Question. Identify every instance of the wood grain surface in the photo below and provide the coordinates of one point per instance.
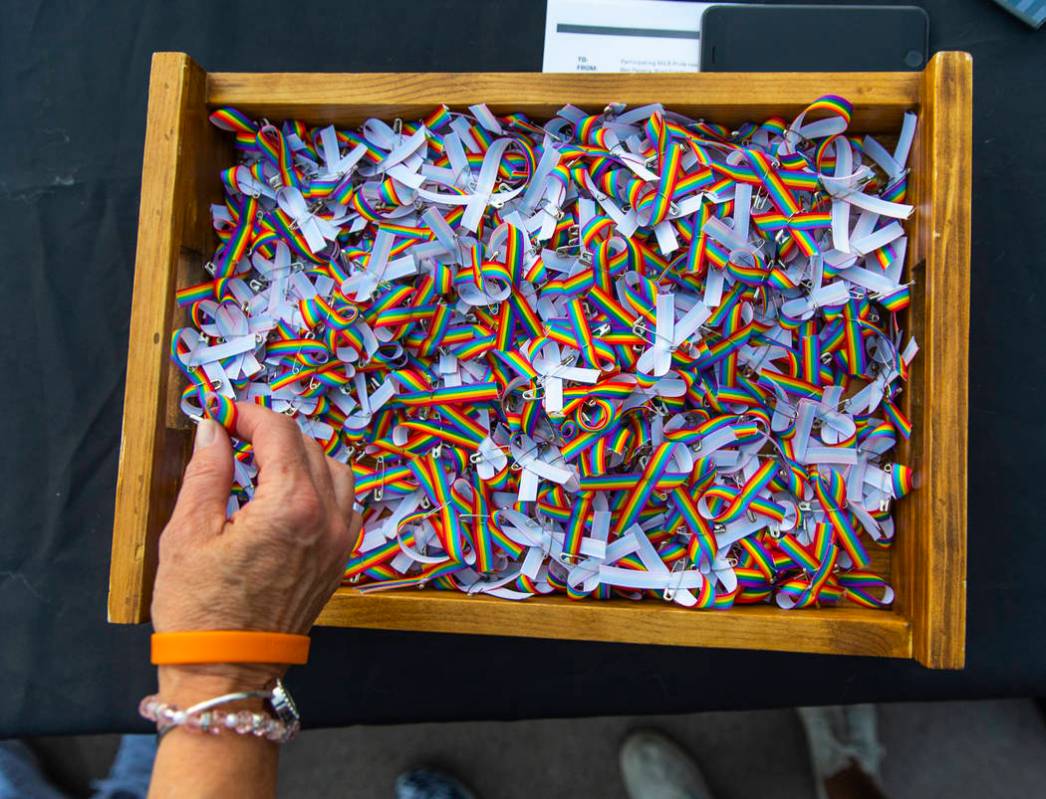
(179, 176)
(840, 630)
(930, 562)
(880, 98)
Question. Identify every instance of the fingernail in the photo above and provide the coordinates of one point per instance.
(205, 433)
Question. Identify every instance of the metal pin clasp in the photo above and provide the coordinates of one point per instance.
(639, 327)
(379, 489)
(678, 568)
(545, 205)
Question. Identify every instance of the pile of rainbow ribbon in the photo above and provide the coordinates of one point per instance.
(617, 354)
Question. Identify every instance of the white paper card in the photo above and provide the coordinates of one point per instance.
(623, 36)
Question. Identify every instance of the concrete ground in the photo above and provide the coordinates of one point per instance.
(955, 749)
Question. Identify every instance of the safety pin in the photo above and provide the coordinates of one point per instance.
(799, 138)
(379, 489)
(679, 569)
(639, 327)
(568, 250)
(557, 214)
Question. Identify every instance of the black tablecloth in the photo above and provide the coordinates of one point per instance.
(73, 79)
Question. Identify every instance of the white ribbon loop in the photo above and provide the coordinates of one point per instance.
(316, 230)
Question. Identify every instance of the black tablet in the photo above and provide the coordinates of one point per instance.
(836, 38)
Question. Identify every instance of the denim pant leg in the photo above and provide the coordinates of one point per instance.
(131, 770)
(20, 774)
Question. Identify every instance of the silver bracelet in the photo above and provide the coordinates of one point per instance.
(281, 727)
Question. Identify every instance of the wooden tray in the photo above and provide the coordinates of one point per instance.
(927, 566)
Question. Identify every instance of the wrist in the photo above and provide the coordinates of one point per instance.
(185, 685)
(206, 700)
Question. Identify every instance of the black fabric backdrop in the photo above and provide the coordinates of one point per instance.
(73, 79)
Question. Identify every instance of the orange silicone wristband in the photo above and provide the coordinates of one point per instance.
(229, 646)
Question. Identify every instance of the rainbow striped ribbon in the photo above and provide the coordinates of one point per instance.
(424, 381)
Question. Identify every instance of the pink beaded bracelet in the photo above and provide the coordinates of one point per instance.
(202, 717)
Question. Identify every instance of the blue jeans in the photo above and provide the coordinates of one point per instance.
(21, 778)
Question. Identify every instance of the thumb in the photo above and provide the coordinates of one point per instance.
(207, 482)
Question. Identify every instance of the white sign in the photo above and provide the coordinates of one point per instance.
(623, 36)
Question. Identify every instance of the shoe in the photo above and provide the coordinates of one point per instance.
(426, 783)
(655, 767)
(842, 739)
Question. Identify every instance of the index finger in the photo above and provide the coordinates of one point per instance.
(278, 445)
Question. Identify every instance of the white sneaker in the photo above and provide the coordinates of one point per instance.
(655, 767)
(840, 737)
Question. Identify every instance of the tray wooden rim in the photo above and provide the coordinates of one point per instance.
(929, 624)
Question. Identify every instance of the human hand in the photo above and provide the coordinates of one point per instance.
(274, 564)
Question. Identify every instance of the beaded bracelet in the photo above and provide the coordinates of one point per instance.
(202, 718)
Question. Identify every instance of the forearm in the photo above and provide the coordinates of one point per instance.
(195, 765)
(268, 568)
